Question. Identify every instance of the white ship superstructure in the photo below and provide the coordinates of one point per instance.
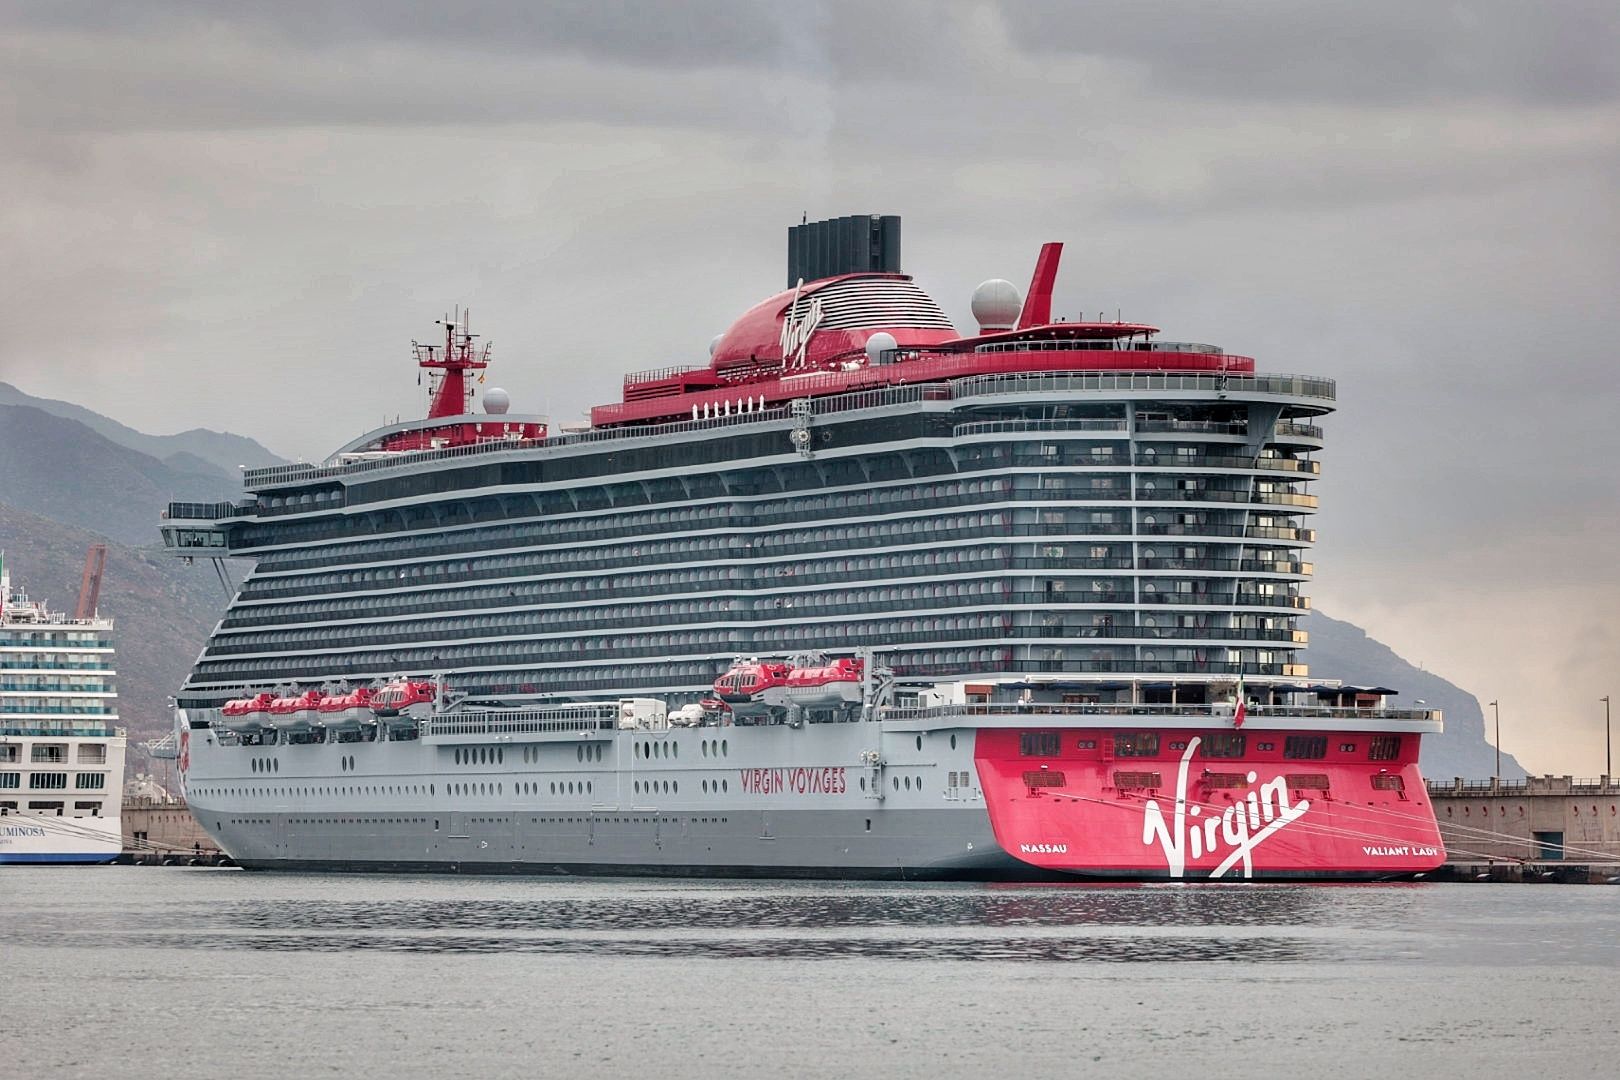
(61, 749)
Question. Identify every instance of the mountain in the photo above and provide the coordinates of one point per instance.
(162, 610)
(221, 450)
(65, 470)
(1341, 650)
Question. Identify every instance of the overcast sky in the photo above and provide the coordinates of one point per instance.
(238, 218)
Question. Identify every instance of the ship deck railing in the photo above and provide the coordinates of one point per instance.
(592, 716)
(1221, 712)
(849, 401)
(61, 732)
(1530, 785)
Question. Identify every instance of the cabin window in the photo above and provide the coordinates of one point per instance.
(1039, 743)
(1384, 748)
(1224, 744)
(1305, 747)
(1136, 744)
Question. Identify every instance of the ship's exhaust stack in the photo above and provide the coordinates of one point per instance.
(861, 243)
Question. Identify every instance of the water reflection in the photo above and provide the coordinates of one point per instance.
(1105, 949)
(767, 908)
(1119, 924)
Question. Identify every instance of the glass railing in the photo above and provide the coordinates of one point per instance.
(973, 386)
(8, 727)
(1220, 712)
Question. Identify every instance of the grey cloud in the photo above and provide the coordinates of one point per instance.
(241, 221)
(1384, 51)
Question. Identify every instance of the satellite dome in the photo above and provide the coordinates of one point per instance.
(714, 343)
(496, 401)
(996, 304)
(877, 345)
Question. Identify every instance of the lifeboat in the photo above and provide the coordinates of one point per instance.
(298, 711)
(259, 703)
(404, 698)
(247, 714)
(778, 690)
(347, 710)
(749, 678)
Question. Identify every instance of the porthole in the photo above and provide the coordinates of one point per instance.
(705, 787)
(677, 786)
(725, 748)
(725, 785)
(579, 753)
(704, 747)
(919, 742)
(863, 783)
(897, 783)
(953, 742)
(908, 783)
(588, 787)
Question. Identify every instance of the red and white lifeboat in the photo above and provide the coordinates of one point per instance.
(258, 704)
(347, 710)
(249, 713)
(749, 678)
(298, 711)
(404, 697)
(773, 688)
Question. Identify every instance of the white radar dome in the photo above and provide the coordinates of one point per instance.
(996, 304)
(877, 345)
(496, 401)
(714, 343)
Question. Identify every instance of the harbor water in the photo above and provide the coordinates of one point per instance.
(131, 971)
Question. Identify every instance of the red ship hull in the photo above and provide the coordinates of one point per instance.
(1084, 809)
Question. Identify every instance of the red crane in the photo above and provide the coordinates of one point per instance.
(95, 561)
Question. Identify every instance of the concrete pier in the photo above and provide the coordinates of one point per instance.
(1544, 828)
(162, 832)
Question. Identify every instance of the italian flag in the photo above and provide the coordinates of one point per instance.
(1240, 713)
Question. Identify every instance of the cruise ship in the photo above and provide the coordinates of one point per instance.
(61, 749)
(858, 595)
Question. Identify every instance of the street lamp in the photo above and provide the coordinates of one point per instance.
(1496, 709)
(1608, 741)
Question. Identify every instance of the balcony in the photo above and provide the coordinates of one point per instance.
(1270, 498)
(1224, 461)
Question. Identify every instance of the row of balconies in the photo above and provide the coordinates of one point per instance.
(375, 607)
(425, 632)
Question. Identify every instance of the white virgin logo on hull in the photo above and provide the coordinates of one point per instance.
(1241, 827)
